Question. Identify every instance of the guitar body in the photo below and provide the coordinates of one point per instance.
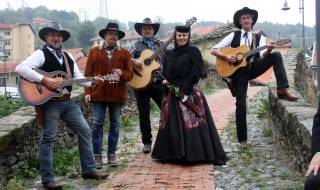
(34, 93)
(226, 69)
(141, 82)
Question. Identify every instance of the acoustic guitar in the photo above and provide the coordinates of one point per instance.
(35, 94)
(142, 78)
(241, 53)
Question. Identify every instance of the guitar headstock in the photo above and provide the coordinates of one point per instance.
(111, 78)
(282, 41)
(191, 21)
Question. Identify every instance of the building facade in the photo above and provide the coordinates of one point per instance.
(17, 42)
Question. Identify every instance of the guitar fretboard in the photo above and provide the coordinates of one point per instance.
(254, 51)
(157, 53)
(77, 81)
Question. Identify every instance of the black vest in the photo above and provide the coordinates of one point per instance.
(51, 63)
(236, 43)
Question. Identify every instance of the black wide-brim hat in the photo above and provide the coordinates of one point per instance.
(146, 21)
(244, 10)
(112, 26)
(54, 27)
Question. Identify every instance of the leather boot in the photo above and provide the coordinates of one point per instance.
(94, 175)
(52, 185)
(98, 159)
(285, 94)
(112, 160)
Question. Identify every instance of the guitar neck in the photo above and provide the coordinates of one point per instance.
(158, 51)
(77, 81)
(254, 51)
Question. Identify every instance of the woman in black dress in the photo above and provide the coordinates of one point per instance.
(187, 132)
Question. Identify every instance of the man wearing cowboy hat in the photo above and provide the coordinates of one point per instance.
(147, 29)
(52, 58)
(106, 59)
(244, 19)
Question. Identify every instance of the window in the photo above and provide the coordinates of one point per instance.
(7, 33)
(7, 53)
(7, 43)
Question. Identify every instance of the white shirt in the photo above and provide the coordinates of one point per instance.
(36, 60)
(226, 42)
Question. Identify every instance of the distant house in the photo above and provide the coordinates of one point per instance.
(129, 39)
(8, 70)
(80, 57)
(18, 40)
(202, 30)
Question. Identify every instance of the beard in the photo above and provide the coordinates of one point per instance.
(55, 45)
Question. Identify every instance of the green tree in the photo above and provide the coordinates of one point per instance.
(86, 31)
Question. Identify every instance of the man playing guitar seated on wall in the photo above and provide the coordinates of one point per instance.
(244, 19)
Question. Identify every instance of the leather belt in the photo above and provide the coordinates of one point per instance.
(62, 98)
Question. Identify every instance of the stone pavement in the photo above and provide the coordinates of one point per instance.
(145, 173)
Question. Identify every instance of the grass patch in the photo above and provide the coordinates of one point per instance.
(14, 184)
(263, 109)
(9, 105)
(31, 169)
(284, 176)
(266, 131)
(67, 162)
(232, 128)
(154, 109)
(209, 89)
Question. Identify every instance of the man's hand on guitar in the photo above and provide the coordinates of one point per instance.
(137, 64)
(230, 58)
(98, 80)
(118, 71)
(270, 45)
(52, 83)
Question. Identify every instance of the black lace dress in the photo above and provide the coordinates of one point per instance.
(187, 132)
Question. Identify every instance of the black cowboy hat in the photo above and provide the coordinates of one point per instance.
(54, 27)
(146, 21)
(112, 26)
(244, 10)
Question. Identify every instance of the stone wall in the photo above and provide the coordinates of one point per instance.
(292, 121)
(304, 82)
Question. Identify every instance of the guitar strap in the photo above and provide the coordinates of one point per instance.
(67, 65)
(254, 41)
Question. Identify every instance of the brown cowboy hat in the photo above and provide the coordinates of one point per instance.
(146, 21)
(244, 10)
(112, 26)
(54, 27)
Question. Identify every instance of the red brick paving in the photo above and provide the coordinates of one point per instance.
(144, 173)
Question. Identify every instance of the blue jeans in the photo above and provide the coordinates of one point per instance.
(99, 112)
(71, 114)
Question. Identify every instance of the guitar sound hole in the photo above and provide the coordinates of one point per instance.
(147, 62)
(239, 58)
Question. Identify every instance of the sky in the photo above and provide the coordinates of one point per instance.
(177, 10)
